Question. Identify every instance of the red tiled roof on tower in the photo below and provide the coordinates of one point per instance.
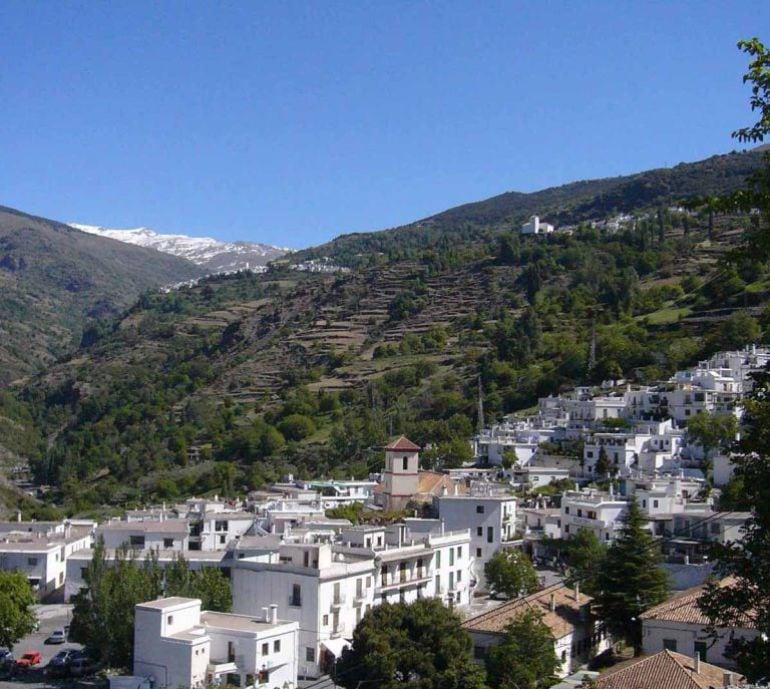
(402, 444)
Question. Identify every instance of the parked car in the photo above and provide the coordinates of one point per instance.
(28, 660)
(6, 657)
(60, 664)
(58, 636)
(81, 665)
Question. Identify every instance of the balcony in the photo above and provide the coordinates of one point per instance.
(406, 581)
(339, 600)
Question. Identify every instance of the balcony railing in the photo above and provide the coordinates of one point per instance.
(339, 600)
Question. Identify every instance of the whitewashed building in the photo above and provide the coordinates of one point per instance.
(178, 646)
(41, 551)
(536, 226)
(679, 625)
(145, 535)
(594, 510)
(490, 518)
(325, 592)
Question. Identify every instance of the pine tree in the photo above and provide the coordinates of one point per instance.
(630, 580)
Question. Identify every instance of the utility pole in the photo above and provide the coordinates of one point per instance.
(480, 412)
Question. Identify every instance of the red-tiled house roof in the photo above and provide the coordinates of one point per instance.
(402, 444)
(668, 670)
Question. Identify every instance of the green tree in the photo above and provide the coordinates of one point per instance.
(584, 556)
(630, 580)
(454, 453)
(748, 593)
(712, 431)
(603, 466)
(510, 573)
(526, 658)
(417, 646)
(17, 618)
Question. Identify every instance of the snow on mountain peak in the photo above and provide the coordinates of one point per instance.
(212, 254)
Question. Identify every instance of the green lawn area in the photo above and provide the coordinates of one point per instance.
(667, 315)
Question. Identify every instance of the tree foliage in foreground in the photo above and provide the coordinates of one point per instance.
(17, 618)
(510, 573)
(526, 658)
(103, 614)
(748, 595)
(417, 646)
(630, 580)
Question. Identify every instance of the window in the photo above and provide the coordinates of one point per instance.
(170, 619)
(325, 620)
(136, 541)
(451, 580)
(368, 582)
(32, 562)
(438, 558)
(480, 531)
(310, 654)
(168, 542)
(265, 649)
(451, 556)
(263, 676)
(438, 583)
(459, 575)
(459, 551)
(379, 540)
(490, 534)
(580, 512)
(220, 525)
(566, 510)
(654, 503)
(276, 646)
(479, 509)
(669, 644)
(715, 527)
(384, 574)
(222, 539)
(700, 649)
(406, 463)
(566, 528)
(478, 552)
(296, 595)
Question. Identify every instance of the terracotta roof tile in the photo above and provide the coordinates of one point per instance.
(561, 622)
(666, 669)
(684, 608)
(402, 443)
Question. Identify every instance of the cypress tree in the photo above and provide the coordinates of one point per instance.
(630, 580)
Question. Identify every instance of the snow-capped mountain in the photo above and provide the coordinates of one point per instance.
(211, 254)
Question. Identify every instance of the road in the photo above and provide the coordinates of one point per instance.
(51, 617)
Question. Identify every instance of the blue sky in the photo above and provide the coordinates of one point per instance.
(293, 122)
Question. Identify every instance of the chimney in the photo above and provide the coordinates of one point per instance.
(697, 663)
(553, 602)
(729, 679)
(577, 592)
(265, 615)
(273, 613)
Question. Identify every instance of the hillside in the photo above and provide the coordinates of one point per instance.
(568, 204)
(54, 279)
(230, 383)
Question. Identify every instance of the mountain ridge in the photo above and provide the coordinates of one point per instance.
(213, 255)
(54, 279)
